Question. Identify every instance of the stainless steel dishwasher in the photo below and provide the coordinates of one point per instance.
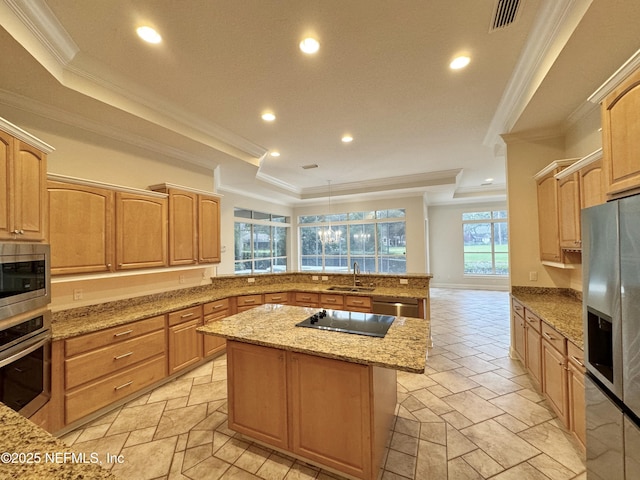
(396, 306)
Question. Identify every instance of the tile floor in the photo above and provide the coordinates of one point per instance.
(472, 415)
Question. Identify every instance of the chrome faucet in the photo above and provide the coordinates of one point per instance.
(356, 271)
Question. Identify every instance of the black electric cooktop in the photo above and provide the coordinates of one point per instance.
(370, 324)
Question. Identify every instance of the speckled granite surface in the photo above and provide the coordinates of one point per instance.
(404, 347)
(20, 436)
(78, 321)
(561, 308)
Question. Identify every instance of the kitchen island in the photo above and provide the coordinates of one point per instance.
(326, 397)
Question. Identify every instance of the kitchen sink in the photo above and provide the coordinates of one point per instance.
(340, 288)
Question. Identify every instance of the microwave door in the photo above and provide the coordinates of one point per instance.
(630, 278)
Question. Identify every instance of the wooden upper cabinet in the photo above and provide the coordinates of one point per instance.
(141, 230)
(81, 228)
(209, 229)
(569, 211)
(621, 137)
(592, 189)
(23, 191)
(183, 211)
(548, 219)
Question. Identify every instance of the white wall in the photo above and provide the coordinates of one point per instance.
(446, 248)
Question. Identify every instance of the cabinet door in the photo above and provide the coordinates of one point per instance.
(209, 229)
(30, 192)
(519, 337)
(6, 195)
(185, 345)
(81, 231)
(554, 379)
(141, 231)
(210, 343)
(569, 211)
(621, 136)
(534, 359)
(576, 398)
(257, 378)
(183, 211)
(330, 412)
(592, 189)
(548, 219)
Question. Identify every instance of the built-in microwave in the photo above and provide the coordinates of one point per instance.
(25, 282)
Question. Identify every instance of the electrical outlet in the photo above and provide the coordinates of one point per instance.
(251, 280)
(404, 281)
(77, 294)
(314, 278)
(533, 276)
(181, 279)
(325, 278)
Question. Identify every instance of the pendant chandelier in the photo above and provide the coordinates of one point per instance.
(328, 234)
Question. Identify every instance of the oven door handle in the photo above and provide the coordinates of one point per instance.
(24, 348)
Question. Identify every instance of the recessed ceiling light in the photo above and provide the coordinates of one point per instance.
(459, 62)
(148, 34)
(268, 116)
(309, 45)
(489, 180)
(275, 153)
(347, 139)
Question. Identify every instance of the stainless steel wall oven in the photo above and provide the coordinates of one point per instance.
(25, 361)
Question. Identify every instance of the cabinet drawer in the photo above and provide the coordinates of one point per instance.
(215, 307)
(91, 341)
(249, 300)
(331, 300)
(104, 392)
(104, 361)
(576, 356)
(518, 308)
(533, 320)
(554, 338)
(357, 302)
(303, 297)
(281, 298)
(185, 315)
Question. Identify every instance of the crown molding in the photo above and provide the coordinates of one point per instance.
(554, 25)
(583, 162)
(555, 165)
(614, 80)
(25, 136)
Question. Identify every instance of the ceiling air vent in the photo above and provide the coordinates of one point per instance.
(504, 14)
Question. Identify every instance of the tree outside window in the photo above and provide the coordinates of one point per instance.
(486, 243)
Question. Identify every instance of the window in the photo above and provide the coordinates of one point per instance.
(485, 243)
(260, 242)
(374, 239)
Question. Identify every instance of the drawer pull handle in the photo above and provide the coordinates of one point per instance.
(126, 332)
(187, 315)
(124, 385)
(249, 301)
(357, 302)
(216, 307)
(124, 355)
(331, 300)
(577, 360)
(548, 337)
(276, 298)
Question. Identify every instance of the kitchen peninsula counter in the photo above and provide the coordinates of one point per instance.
(404, 347)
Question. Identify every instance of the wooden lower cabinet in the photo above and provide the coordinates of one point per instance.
(519, 332)
(533, 347)
(281, 298)
(332, 300)
(333, 413)
(357, 303)
(303, 299)
(185, 343)
(214, 311)
(247, 302)
(554, 372)
(576, 393)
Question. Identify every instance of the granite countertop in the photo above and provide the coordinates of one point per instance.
(20, 436)
(79, 321)
(560, 308)
(404, 347)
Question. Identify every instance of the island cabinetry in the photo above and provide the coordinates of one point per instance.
(81, 228)
(23, 189)
(246, 302)
(330, 412)
(533, 348)
(576, 395)
(103, 367)
(303, 299)
(281, 298)
(357, 304)
(332, 300)
(554, 371)
(194, 225)
(621, 137)
(214, 311)
(141, 230)
(185, 345)
(518, 329)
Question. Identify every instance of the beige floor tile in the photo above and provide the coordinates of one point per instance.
(457, 420)
(453, 381)
(408, 427)
(440, 363)
(502, 445)
(524, 471)
(496, 383)
(401, 463)
(434, 433)
(556, 443)
(235, 473)
(414, 381)
(91, 433)
(458, 444)
(231, 450)
(511, 423)
(275, 467)
(137, 437)
(174, 389)
(147, 460)
(431, 461)
(437, 406)
(211, 422)
(526, 411)
(253, 458)
(104, 446)
(482, 463)
(195, 455)
(461, 470)
(199, 437)
(135, 418)
(551, 468)
(404, 443)
(174, 403)
(175, 422)
(411, 403)
(484, 393)
(476, 364)
(211, 468)
(426, 415)
(208, 392)
(472, 406)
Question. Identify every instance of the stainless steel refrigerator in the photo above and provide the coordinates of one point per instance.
(611, 312)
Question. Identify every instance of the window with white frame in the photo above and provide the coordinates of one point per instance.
(374, 239)
(260, 242)
(486, 243)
